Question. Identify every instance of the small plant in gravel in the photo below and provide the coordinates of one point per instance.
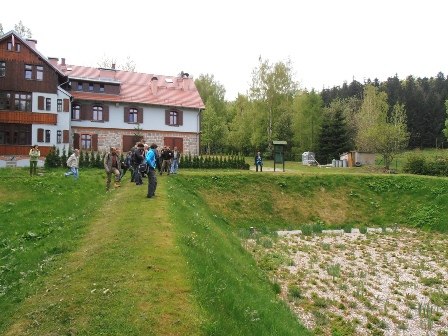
(294, 292)
(431, 281)
(334, 271)
(426, 311)
(439, 298)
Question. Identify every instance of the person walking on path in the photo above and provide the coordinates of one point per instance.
(73, 165)
(34, 157)
(151, 160)
(258, 161)
(112, 165)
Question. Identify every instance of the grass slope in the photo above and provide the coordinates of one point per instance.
(75, 260)
(126, 277)
(289, 200)
(237, 296)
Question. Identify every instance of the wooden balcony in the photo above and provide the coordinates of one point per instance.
(14, 117)
(18, 150)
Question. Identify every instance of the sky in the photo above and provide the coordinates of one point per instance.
(327, 41)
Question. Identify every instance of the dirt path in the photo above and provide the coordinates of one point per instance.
(127, 277)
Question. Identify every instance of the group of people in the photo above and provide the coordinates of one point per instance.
(142, 160)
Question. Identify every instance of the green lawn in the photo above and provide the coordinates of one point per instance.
(77, 260)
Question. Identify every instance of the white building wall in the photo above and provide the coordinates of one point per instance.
(63, 119)
(153, 119)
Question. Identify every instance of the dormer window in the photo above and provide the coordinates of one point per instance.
(101, 87)
(90, 87)
(79, 86)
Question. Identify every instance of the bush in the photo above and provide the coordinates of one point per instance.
(52, 160)
(214, 162)
(417, 164)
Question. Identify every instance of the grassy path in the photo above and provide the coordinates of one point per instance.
(127, 278)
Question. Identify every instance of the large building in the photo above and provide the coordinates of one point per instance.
(49, 102)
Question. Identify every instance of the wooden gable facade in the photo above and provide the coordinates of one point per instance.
(51, 103)
(30, 99)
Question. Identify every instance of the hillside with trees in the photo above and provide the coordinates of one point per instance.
(383, 117)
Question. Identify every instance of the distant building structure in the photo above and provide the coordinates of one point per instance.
(48, 102)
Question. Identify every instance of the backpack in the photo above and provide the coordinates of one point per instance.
(132, 159)
(127, 161)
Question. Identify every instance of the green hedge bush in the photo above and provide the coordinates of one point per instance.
(417, 164)
(213, 162)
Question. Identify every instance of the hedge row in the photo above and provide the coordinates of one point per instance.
(214, 162)
(417, 164)
(56, 159)
(95, 160)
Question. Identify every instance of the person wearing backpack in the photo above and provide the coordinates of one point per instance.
(138, 159)
(112, 165)
(126, 164)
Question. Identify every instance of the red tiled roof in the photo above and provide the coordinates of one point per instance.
(136, 87)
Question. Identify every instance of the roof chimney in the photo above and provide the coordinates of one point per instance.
(154, 81)
(53, 61)
(32, 43)
(113, 66)
(186, 80)
(63, 61)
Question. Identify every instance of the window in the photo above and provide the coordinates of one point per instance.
(18, 46)
(59, 136)
(76, 112)
(28, 71)
(15, 134)
(5, 101)
(22, 101)
(9, 46)
(133, 113)
(90, 87)
(2, 69)
(86, 141)
(173, 118)
(39, 72)
(101, 87)
(79, 86)
(97, 113)
(48, 104)
(47, 135)
(59, 105)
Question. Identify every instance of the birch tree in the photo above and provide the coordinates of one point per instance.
(379, 132)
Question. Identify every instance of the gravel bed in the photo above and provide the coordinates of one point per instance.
(390, 283)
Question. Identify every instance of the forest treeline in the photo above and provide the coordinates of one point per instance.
(328, 122)
(381, 117)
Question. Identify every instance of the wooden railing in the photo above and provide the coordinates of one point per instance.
(11, 117)
(14, 150)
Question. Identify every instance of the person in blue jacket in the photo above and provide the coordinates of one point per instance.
(151, 157)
